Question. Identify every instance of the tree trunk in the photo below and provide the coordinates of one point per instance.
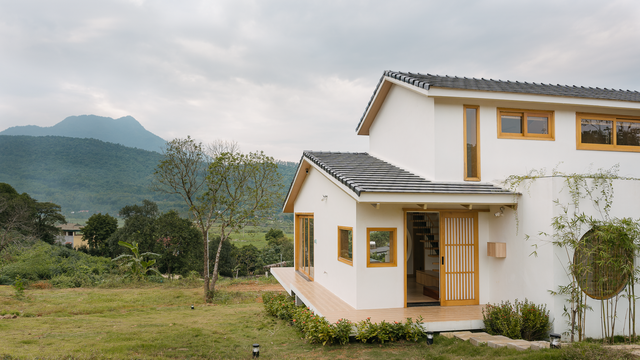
(207, 294)
(215, 266)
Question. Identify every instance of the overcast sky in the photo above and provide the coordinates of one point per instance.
(287, 76)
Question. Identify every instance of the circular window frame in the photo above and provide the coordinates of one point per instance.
(587, 242)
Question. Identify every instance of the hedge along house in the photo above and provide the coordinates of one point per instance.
(422, 220)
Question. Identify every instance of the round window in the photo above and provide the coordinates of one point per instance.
(598, 264)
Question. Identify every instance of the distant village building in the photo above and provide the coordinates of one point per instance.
(71, 234)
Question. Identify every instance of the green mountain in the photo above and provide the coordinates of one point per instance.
(88, 175)
(125, 131)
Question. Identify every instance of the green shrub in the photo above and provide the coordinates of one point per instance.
(522, 320)
(19, 285)
(535, 320)
(317, 329)
(43, 262)
(502, 319)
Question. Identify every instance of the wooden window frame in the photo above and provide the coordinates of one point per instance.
(340, 258)
(525, 135)
(464, 127)
(393, 243)
(606, 147)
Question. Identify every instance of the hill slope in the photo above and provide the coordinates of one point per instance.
(88, 174)
(79, 174)
(125, 131)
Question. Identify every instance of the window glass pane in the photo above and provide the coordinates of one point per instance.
(596, 131)
(379, 246)
(511, 124)
(311, 244)
(627, 133)
(537, 125)
(472, 142)
(346, 244)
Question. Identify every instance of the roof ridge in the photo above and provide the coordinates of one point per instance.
(426, 81)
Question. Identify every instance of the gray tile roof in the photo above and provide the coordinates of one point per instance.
(425, 81)
(362, 172)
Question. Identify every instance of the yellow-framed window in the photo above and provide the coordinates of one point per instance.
(345, 245)
(381, 247)
(607, 132)
(526, 124)
(471, 143)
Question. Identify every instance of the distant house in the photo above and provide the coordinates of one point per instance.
(422, 218)
(71, 234)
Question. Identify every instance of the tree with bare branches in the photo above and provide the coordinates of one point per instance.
(243, 188)
(219, 184)
(183, 171)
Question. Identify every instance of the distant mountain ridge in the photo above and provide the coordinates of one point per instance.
(125, 131)
(89, 174)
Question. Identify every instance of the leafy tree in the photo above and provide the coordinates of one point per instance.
(15, 216)
(46, 216)
(139, 226)
(178, 242)
(182, 172)
(21, 215)
(274, 236)
(96, 232)
(249, 260)
(242, 188)
(279, 247)
(228, 256)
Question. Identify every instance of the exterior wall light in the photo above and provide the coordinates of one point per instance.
(256, 351)
(429, 337)
(554, 341)
(499, 213)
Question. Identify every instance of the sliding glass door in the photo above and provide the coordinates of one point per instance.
(304, 245)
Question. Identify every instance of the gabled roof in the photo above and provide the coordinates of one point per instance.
(363, 173)
(427, 81)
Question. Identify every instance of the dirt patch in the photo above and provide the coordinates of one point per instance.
(255, 287)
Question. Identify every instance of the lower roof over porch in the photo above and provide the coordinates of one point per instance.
(323, 302)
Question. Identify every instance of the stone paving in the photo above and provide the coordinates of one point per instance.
(496, 341)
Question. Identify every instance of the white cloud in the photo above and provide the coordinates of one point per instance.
(287, 75)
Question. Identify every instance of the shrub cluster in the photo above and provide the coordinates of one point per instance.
(366, 331)
(522, 320)
(64, 267)
(318, 330)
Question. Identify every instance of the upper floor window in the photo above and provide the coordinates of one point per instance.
(472, 143)
(525, 124)
(607, 132)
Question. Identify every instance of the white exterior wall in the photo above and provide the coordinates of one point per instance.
(403, 132)
(425, 136)
(379, 287)
(522, 275)
(339, 209)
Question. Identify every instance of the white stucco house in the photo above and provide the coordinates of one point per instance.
(423, 219)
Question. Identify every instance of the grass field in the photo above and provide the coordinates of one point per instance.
(145, 322)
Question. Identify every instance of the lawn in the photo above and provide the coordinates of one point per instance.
(145, 322)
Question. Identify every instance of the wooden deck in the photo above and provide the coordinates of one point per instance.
(325, 303)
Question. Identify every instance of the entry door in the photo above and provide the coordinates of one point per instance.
(459, 259)
(304, 245)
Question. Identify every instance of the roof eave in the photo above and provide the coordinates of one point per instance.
(379, 96)
(296, 184)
